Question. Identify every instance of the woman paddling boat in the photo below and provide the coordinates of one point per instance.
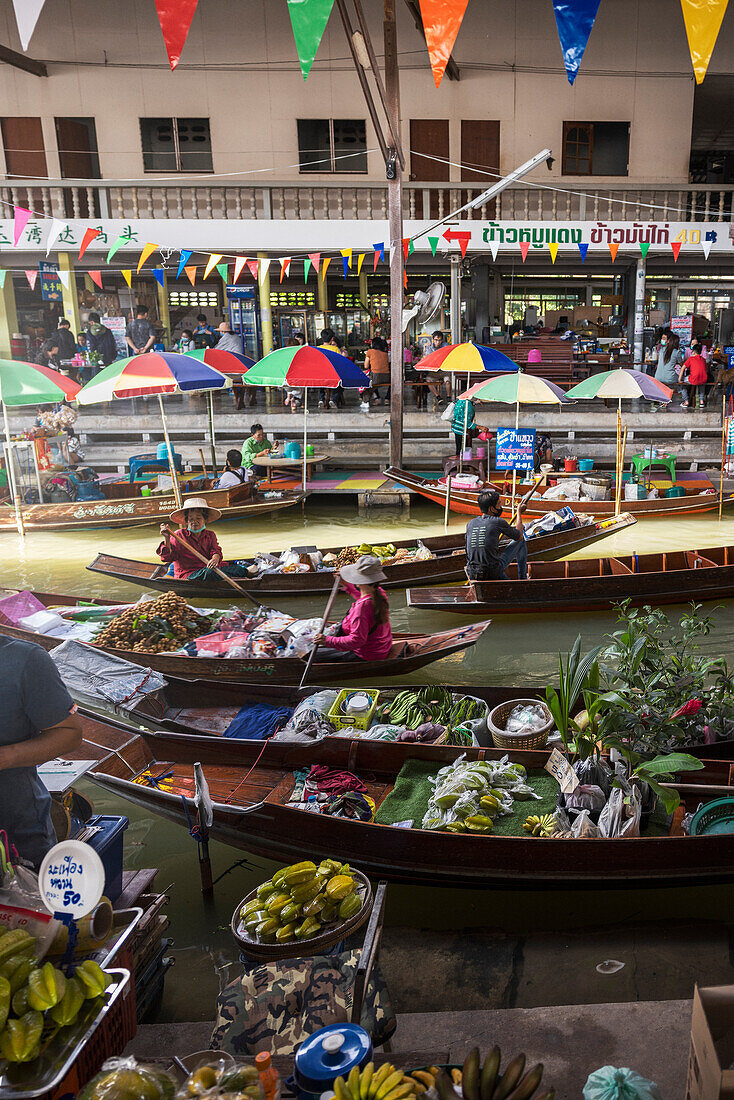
(193, 532)
(365, 631)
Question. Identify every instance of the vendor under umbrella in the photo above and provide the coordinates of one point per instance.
(193, 532)
(365, 631)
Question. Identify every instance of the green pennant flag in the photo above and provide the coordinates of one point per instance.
(118, 244)
(3, 273)
(433, 241)
(306, 269)
(223, 270)
(644, 245)
(308, 19)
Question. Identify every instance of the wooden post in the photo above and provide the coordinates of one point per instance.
(723, 452)
(448, 504)
(395, 216)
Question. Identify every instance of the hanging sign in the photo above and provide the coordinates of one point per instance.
(515, 449)
(71, 879)
(682, 327)
(51, 286)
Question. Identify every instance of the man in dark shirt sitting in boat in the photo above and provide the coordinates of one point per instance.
(485, 560)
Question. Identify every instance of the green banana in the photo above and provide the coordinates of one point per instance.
(490, 1070)
(529, 1084)
(444, 1086)
(510, 1078)
(470, 1076)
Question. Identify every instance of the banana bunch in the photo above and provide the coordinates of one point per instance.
(479, 1081)
(540, 826)
(385, 1083)
(299, 900)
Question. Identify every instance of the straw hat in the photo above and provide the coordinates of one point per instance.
(195, 502)
(365, 570)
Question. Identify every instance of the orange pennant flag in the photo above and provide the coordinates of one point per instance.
(553, 249)
(239, 263)
(703, 20)
(127, 275)
(213, 261)
(524, 246)
(360, 261)
(96, 277)
(613, 248)
(325, 267)
(89, 236)
(441, 22)
(149, 248)
(191, 274)
(285, 263)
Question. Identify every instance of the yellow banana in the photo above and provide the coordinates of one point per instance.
(389, 1084)
(341, 1090)
(365, 1080)
(379, 1077)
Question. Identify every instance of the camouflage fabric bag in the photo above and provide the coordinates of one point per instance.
(275, 1006)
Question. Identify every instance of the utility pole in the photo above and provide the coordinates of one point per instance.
(395, 216)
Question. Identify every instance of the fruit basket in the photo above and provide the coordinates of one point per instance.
(503, 739)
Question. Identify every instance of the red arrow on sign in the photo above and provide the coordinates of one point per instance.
(462, 239)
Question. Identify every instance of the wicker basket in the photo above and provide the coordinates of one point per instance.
(504, 740)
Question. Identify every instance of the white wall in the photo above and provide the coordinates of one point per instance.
(239, 68)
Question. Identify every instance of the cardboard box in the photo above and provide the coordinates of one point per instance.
(712, 1045)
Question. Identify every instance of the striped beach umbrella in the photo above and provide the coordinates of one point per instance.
(227, 362)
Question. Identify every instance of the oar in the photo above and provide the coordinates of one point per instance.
(203, 464)
(522, 503)
(324, 621)
(230, 581)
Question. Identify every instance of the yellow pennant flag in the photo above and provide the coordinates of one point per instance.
(213, 261)
(325, 267)
(703, 20)
(127, 275)
(347, 255)
(553, 249)
(148, 249)
(360, 261)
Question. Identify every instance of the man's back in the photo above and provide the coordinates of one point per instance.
(483, 534)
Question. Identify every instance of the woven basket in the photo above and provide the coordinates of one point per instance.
(504, 740)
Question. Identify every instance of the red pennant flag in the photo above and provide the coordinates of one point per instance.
(175, 19)
(31, 275)
(89, 236)
(407, 247)
(613, 249)
(462, 239)
(252, 267)
(524, 246)
(239, 263)
(96, 277)
(315, 258)
(441, 22)
(285, 263)
(675, 245)
(21, 217)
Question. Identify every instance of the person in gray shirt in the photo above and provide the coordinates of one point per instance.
(140, 334)
(228, 340)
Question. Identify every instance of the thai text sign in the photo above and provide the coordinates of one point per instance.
(515, 449)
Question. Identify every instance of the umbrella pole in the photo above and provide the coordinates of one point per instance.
(466, 421)
(305, 432)
(724, 427)
(212, 439)
(11, 475)
(171, 463)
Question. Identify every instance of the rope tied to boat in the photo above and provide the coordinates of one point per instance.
(194, 828)
(156, 781)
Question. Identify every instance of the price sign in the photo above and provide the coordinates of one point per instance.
(71, 879)
(562, 771)
(515, 450)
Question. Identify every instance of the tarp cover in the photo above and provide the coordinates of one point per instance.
(98, 679)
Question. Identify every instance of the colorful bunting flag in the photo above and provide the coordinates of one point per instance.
(31, 275)
(159, 275)
(345, 265)
(347, 254)
(238, 265)
(462, 239)
(117, 245)
(644, 248)
(441, 23)
(703, 20)
(214, 259)
(57, 228)
(147, 251)
(26, 16)
(613, 248)
(524, 246)
(583, 249)
(574, 20)
(191, 274)
(89, 235)
(96, 277)
(433, 242)
(127, 274)
(706, 246)
(285, 263)
(315, 258)
(308, 20)
(21, 217)
(408, 247)
(553, 249)
(3, 275)
(675, 245)
(307, 265)
(185, 256)
(252, 267)
(360, 261)
(175, 18)
(325, 267)
(223, 270)
(264, 267)
(64, 277)
(494, 248)
(379, 254)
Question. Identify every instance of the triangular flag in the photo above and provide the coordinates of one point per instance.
(644, 248)
(675, 245)
(3, 275)
(64, 277)
(706, 246)
(703, 21)
(149, 248)
(214, 259)
(159, 275)
(433, 241)
(21, 217)
(308, 20)
(175, 18)
(252, 267)
(263, 270)
(345, 265)
(239, 263)
(524, 246)
(360, 261)
(408, 247)
(574, 20)
(347, 255)
(26, 16)
(405, 278)
(191, 274)
(223, 270)
(307, 265)
(96, 277)
(315, 258)
(185, 256)
(583, 249)
(117, 245)
(613, 248)
(89, 235)
(379, 254)
(127, 275)
(57, 228)
(441, 22)
(325, 267)
(553, 249)
(31, 275)
(494, 248)
(285, 263)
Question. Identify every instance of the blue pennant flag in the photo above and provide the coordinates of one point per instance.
(574, 19)
(185, 255)
(380, 249)
(583, 249)
(159, 275)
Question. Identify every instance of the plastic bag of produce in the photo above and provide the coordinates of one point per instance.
(610, 1083)
(584, 827)
(526, 718)
(127, 1079)
(586, 796)
(308, 721)
(621, 815)
(567, 489)
(377, 732)
(595, 773)
(21, 908)
(422, 553)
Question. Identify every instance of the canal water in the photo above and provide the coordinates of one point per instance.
(663, 932)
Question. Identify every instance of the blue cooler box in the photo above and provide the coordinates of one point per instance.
(107, 843)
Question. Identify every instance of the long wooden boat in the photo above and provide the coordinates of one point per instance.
(251, 811)
(465, 500)
(447, 565)
(409, 652)
(592, 585)
(124, 507)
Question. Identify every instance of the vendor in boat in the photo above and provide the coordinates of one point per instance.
(485, 561)
(255, 445)
(39, 724)
(365, 632)
(234, 473)
(193, 533)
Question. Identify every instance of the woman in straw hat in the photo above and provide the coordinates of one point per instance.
(193, 517)
(365, 631)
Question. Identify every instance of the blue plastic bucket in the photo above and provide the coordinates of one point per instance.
(586, 464)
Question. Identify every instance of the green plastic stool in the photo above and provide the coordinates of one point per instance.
(643, 462)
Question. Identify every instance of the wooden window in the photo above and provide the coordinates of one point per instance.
(25, 153)
(595, 148)
(332, 145)
(77, 144)
(176, 144)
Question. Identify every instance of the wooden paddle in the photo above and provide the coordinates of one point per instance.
(203, 464)
(522, 503)
(324, 621)
(230, 581)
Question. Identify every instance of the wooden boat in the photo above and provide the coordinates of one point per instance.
(409, 652)
(124, 507)
(447, 565)
(465, 500)
(251, 812)
(592, 585)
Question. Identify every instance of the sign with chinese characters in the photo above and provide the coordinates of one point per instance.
(515, 449)
(71, 879)
(51, 286)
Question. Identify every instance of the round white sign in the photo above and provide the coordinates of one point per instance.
(71, 879)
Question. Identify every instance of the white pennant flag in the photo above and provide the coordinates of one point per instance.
(26, 16)
(494, 248)
(706, 246)
(57, 228)
(264, 265)
(64, 276)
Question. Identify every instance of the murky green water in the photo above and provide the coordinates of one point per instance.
(516, 650)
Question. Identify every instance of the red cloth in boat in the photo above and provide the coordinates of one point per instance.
(359, 634)
(184, 562)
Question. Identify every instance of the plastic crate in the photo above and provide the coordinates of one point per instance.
(353, 721)
(107, 843)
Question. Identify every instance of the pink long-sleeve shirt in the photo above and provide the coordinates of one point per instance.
(360, 634)
(184, 562)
